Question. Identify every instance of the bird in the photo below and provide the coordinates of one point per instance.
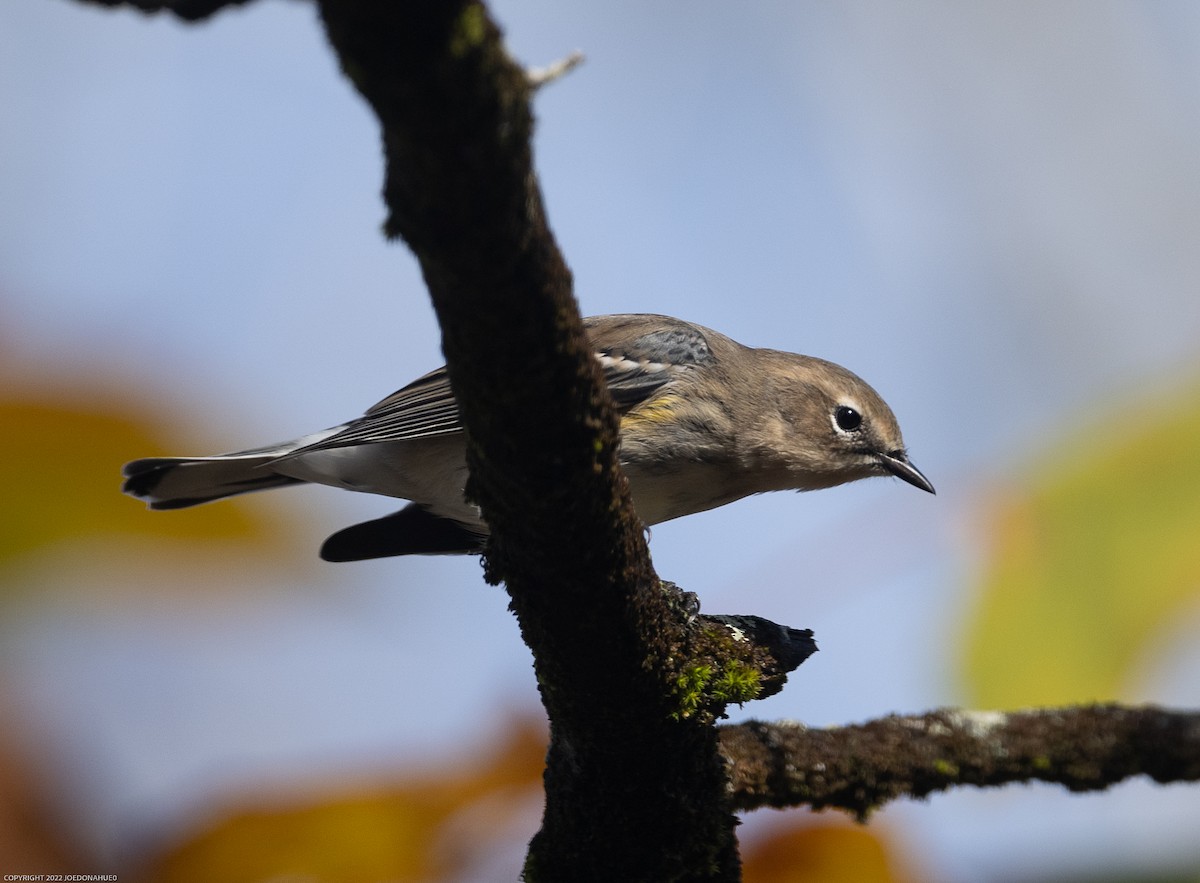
(704, 421)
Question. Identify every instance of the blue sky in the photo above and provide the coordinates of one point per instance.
(989, 211)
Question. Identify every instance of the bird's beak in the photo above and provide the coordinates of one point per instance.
(897, 464)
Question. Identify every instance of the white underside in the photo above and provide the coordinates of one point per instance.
(433, 472)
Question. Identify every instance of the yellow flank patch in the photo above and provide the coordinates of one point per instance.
(656, 410)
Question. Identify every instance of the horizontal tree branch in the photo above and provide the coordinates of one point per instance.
(860, 768)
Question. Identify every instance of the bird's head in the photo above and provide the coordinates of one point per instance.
(831, 427)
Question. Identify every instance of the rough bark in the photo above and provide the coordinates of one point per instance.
(860, 768)
(630, 677)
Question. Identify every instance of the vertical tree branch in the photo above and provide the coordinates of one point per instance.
(635, 789)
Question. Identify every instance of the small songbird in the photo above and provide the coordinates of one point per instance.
(704, 421)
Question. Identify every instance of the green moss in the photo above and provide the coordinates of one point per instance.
(738, 683)
(690, 690)
(945, 768)
(469, 30)
(701, 687)
(530, 873)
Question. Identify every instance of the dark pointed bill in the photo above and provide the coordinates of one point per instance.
(897, 464)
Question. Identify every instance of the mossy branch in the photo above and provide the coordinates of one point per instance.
(860, 768)
(633, 756)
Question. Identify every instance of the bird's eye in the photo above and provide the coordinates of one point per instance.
(847, 419)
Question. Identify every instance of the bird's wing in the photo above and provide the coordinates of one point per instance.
(423, 409)
(639, 355)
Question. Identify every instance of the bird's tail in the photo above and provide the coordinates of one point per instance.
(178, 482)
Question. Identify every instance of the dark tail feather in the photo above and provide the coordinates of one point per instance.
(411, 531)
(178, 482)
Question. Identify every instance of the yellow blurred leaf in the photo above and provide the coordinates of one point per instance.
(1092, 560)
(60, 467)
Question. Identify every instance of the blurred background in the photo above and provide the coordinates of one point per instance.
(990, 211)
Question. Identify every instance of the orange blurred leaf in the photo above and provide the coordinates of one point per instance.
(427, 829)
(820, 852)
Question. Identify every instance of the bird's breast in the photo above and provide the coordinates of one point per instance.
(687, 488)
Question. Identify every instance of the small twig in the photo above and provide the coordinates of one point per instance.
(540, 76)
